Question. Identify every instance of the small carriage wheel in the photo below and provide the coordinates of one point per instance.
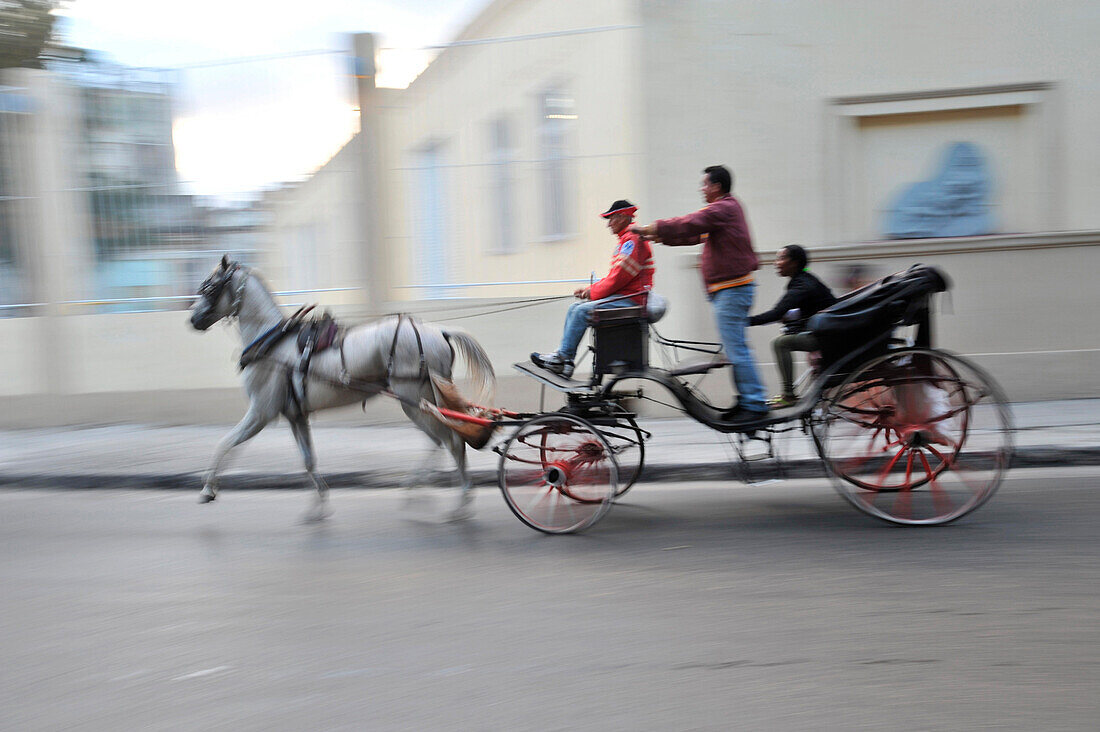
(627, 442)
(558, 473)
(917, 436)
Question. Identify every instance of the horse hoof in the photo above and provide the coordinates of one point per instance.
(206, 498)
(465, 512)
(316, 516)
(416, 501)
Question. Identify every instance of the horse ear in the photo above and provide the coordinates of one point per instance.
(225, 261)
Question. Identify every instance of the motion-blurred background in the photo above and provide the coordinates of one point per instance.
(451, 157)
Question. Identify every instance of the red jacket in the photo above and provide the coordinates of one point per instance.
(728, 259)
(631, 270)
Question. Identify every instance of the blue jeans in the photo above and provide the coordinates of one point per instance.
(576, 321)
(731, 310)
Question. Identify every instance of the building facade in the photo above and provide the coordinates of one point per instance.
(876, 134)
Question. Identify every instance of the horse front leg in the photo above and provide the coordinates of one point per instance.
(304, 437)
(254, 420)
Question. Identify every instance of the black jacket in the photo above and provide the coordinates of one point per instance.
(805, 292)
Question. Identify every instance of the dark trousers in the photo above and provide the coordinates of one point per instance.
(783, 346)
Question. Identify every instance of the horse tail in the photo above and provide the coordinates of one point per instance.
(477, 361)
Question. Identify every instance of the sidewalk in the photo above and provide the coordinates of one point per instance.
(137, 456)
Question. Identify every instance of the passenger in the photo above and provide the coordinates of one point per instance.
(631, 274)
(727, 262)
(805, 296)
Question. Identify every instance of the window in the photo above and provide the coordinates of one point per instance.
(502, 157)
(556, 120)
(431, 261)
(11, 205)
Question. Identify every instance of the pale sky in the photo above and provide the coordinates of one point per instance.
(244, 126)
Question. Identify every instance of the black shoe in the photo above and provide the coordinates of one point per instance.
(740, 414)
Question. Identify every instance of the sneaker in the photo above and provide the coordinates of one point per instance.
(782, 401)
(553, 363)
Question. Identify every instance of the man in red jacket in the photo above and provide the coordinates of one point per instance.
(626, 284)
(727, 263)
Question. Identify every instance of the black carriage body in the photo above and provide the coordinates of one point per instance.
(621, 337)
(862, 322)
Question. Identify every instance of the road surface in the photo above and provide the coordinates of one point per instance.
(691, 606)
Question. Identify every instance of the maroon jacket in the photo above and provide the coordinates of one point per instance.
(728, 259)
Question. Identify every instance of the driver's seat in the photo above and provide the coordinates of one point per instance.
(621, 335)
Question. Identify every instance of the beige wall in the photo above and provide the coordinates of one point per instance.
(314, 233)
(452, 106)
(766, 77)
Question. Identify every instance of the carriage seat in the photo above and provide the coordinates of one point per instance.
(695, 366)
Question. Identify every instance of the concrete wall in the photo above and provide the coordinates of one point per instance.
(151, 367)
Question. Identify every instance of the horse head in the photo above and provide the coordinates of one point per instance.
(216, 298)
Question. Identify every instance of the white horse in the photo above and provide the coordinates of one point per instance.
(409, 359)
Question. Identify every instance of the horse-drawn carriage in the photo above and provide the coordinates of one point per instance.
(909, 433)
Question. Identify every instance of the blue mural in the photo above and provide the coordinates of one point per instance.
(953, 203)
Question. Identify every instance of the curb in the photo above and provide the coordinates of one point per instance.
(1032, 457)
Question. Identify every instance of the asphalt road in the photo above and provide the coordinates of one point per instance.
(691, 606)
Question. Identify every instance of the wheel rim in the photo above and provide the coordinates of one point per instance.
(916, 437)
(558, 474)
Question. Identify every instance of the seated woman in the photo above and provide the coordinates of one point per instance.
(805, 296)
(631, 274)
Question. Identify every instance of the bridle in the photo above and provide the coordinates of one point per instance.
(212, 291)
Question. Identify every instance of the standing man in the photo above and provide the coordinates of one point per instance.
(631, 274)
(805, 296)
(727, 262)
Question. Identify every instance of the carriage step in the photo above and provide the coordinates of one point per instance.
(554, 381)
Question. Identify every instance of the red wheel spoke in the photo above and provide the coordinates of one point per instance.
(885, 472)
(959, 468)
(903, 504)
(940, 456)
(940, 499)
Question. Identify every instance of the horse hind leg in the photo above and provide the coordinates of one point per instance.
(465, 508)
(448, 438)
(304, 437)
(246, 429)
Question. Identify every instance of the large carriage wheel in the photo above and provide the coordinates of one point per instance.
(917, 436)
(558, 474)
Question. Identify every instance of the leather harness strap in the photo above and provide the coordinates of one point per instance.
(423, 371)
